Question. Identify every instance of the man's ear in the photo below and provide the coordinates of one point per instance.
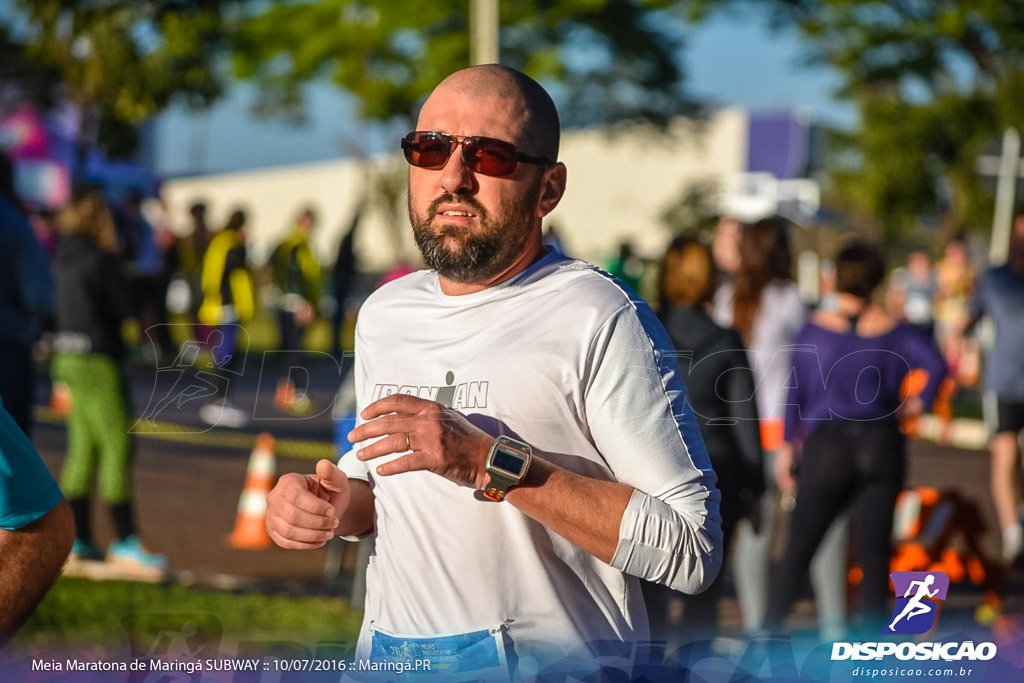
(552, 189)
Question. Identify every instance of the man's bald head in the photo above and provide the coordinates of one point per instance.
(540, 124)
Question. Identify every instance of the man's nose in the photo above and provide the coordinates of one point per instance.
(456, 175)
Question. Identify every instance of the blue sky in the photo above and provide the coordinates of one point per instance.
(729, 61)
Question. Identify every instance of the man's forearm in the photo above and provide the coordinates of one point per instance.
(659, 545)
(30, 561)
(582, 510)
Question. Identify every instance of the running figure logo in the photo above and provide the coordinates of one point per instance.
(921, 593)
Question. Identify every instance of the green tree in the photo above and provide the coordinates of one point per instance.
(122, 62)
(910, 161)
(934, 82)
(609, 60)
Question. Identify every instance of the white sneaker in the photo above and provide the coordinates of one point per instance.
(223, 414)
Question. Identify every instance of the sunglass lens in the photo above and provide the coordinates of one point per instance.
(490, 157)
(426, 151)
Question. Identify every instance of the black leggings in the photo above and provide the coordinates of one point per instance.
(856, 465)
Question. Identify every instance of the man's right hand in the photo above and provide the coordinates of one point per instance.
(304, 510)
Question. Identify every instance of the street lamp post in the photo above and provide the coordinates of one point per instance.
(1007, 168)
(483, 32)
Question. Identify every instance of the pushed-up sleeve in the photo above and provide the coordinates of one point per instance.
(647, 433)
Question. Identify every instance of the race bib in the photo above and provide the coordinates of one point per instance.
(474, 652)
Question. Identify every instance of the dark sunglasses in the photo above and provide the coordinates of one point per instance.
(488, 156)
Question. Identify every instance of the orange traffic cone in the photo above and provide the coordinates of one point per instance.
(250, 531)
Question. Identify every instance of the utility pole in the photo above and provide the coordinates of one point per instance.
(483, 32)
(1007, 167)
(1006, 192)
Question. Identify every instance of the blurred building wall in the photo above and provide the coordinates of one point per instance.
(620, 184)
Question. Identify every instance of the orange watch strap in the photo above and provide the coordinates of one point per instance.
(494, 494)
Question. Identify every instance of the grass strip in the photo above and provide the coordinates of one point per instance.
(109, 618)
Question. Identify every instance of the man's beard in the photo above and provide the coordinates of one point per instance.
(466, 255)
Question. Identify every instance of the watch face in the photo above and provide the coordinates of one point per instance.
(508, 460)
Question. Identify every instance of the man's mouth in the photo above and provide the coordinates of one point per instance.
(452, 206)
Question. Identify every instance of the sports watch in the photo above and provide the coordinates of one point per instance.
(506, 464)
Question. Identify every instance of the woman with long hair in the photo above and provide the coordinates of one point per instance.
(720, 389)
(763, 304)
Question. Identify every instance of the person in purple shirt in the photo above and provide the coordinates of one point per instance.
(843, 416)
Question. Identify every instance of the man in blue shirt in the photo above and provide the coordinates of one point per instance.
(1000, 295)
(36, 530)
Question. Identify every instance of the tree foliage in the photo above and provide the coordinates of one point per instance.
(122, 62)
(934, 82)
(910, 161)
(610, 60)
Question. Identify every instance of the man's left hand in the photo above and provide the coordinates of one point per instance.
(434, 438)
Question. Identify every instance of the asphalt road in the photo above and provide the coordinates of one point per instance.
(188, 477)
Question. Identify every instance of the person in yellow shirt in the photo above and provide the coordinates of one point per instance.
(295, 274)
(228, 302)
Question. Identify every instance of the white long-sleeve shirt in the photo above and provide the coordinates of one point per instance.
(565, 359)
